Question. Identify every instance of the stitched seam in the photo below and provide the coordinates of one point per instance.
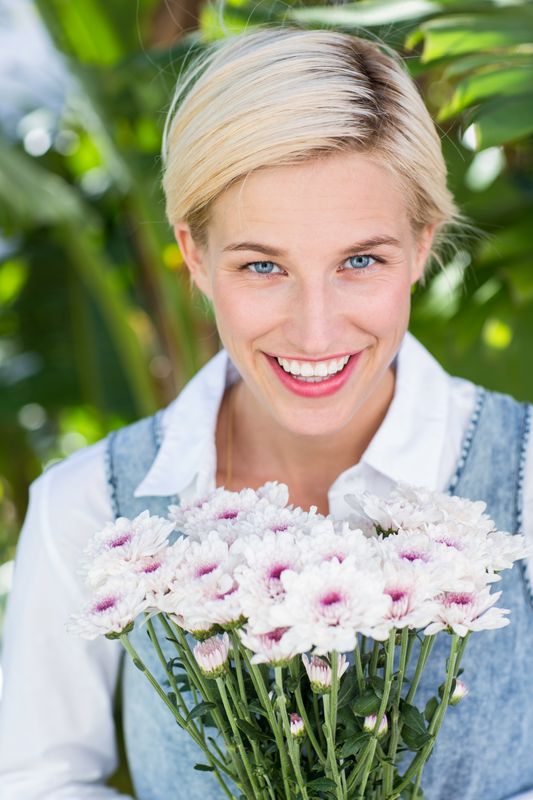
(526, 427)
(110, 474)
(481, 394)
(157, 429)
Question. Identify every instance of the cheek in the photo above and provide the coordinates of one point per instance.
(241, 314)
(381, 306)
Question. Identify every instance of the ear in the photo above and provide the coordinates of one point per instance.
(194, 256)
(423, 247)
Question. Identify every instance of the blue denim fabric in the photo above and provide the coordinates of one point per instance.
(485, 747)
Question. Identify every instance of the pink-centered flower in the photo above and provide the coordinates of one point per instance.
(370, 722)
(297, 725)
(212, 655)
(109, 612)
(269, 647)
(460, 691)
(320, 673)
(463, 611)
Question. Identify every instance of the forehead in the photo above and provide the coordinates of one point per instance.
(323, 198)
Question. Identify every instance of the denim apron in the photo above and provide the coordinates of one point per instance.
(485, 746)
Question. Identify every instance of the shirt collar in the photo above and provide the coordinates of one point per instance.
(409, 442)
(407, 446)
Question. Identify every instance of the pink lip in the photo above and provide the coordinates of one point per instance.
(320, 389)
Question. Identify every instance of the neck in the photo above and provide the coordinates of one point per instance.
(263, 450)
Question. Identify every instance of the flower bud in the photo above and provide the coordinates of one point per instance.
(369, 725)
(297, 726)
(212, 655)
(319, 672)
(460, 691)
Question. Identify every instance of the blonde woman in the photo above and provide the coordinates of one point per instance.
(307, 190)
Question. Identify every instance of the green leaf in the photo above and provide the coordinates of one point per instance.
(347, 693)
(476, 61)
(415, 741)
(431, 706)
(459, 34)
(322, 785)
(199, 711)
(352, 745)
(503, 121)
(255, 708)
(84, 29)
(502, 82)
(251, 731)
(367, 13)
(412, 718)
(32, 196)
(367, 703)
(204, 767)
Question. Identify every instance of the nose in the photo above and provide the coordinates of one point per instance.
(313, 325)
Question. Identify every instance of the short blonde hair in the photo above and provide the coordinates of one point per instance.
(280, 96)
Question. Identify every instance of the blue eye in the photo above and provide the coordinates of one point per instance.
(361, 262)
(264, 267)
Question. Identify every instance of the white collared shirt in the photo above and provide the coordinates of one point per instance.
(57, 739)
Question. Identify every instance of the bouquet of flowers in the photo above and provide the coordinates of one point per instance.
(300, 641)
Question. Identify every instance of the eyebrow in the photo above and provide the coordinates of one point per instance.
(365, 244)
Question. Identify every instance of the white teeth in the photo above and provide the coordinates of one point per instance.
(313, 370)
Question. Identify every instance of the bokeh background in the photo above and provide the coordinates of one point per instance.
(98, 325)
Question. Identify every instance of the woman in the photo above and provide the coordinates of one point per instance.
(307, 191)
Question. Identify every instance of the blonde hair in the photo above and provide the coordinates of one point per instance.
(280, 96)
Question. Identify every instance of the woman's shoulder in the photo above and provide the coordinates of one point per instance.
(68, 503)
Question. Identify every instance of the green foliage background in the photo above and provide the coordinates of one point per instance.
(97, 322)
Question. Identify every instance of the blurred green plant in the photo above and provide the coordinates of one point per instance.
(97, 322)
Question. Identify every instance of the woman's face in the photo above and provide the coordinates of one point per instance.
(310, 264)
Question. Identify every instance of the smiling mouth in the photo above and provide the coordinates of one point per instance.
(313, 371)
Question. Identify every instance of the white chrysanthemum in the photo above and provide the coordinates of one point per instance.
(505, 548)
(270, 646)
(393, 512)
(326, 604)
(129, 539)
(275, 493)
(338, 540)
(265, 518)
(452, 508)
(263, 562)
(221, 509)
(109, 611)
(202, 591)
(468, 611)
(448, 566)
(411, 594)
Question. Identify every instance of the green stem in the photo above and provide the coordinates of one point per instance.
(293, 751)
(416, 766)
(423, 656)
(370, 749)
(388, 777)
(155, 641)
(333, 770)
(236, 733)
(242, 707)
(215, 762)
(374, 659)
(260, 688)
(294, 670)
(194, 672)
(316, 713)
(359, 669)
